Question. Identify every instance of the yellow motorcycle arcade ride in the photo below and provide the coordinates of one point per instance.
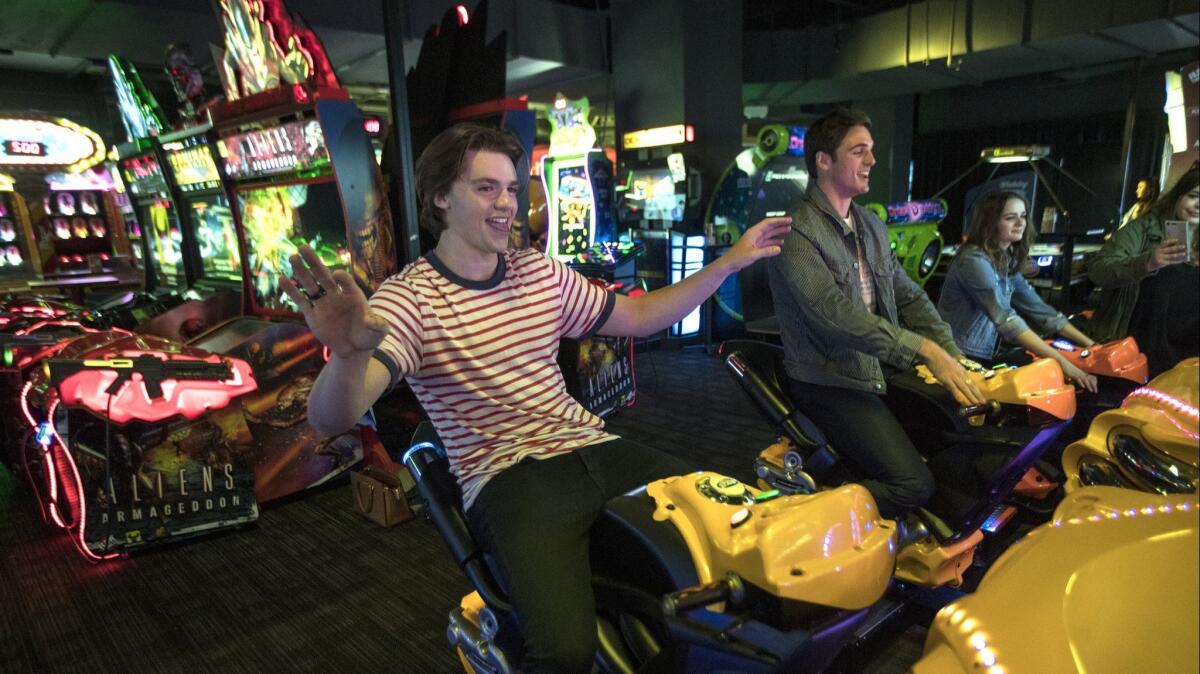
(1109, 585)
(1150, 443)
(979, 456)
(691, 573)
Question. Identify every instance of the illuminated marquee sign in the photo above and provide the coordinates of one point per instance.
(286, 148)
(676, 134)
(570, 131)
(192, 164)
(266, 48)
(47, 144)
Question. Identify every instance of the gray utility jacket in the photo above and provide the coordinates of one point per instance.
(829, 336)
(981, 305)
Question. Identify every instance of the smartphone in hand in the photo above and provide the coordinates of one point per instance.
(1182, 232)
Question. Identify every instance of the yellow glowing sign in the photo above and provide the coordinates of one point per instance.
(676, 134)
(38, 143)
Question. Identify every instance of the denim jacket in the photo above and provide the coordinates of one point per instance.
(981, 305)
(829, 336)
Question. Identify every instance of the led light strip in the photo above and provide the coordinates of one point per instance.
(1166, 399)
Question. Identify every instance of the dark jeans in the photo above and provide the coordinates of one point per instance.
(863, 430)
(534, 520)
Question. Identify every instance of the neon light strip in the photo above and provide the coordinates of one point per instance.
(51, 474)
(977, 639)
(25, 404)
(1168, 400)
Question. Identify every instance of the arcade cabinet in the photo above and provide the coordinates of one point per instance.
(766, 180)
(913, 234)
(300, 170)
(578, 181)
(18, 254)
(209, 239)
(658, 195)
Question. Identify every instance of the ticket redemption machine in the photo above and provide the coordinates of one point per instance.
(76, 225)
(577, 178)
(658, 196)
(578, 181)
(19, 259)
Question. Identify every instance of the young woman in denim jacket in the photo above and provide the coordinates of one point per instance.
(1149, 283)
(985, 299)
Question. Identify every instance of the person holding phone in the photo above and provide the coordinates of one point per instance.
(1150, 281)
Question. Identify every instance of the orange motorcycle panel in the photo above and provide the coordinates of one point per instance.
(931, 564)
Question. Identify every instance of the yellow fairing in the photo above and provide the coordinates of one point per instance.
(831, 548)
(1110, 585)
(1162, 416)
(1039, 385)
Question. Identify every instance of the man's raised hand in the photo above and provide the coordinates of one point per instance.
(334, 307)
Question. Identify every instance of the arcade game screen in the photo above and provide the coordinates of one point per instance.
(216, 238)
(574, 208)
(12, 247)
(650, 195)
(784, 181)
(76, 223)
(277, 220)
(160, 223)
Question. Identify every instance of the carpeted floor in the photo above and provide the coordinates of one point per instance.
(314, 586)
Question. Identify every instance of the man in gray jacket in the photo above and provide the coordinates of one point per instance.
(845, 305)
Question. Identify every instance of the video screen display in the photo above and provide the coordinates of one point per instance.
(76, 224)
(779, 189)
(276, 221)
(215, 236)
(160, 223)
(143, 176)
(192, 165)
(575, 215)
(650, 195)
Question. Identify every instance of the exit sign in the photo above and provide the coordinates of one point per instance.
(25, 148)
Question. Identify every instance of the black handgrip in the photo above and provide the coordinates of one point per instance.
(989, 408)
(728, 589)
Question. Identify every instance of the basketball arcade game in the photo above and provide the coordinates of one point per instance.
(300, 170)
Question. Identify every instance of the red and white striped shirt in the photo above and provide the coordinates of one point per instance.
(481, 358)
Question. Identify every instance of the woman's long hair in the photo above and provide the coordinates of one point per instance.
(983, 232)
(1164, 208)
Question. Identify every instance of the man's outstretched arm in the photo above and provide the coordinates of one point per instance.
(646, 315)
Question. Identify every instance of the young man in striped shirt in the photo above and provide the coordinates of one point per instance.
(474, 328)
(845, 305)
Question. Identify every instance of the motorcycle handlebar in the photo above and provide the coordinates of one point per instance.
(990, 407)
(728, 589)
